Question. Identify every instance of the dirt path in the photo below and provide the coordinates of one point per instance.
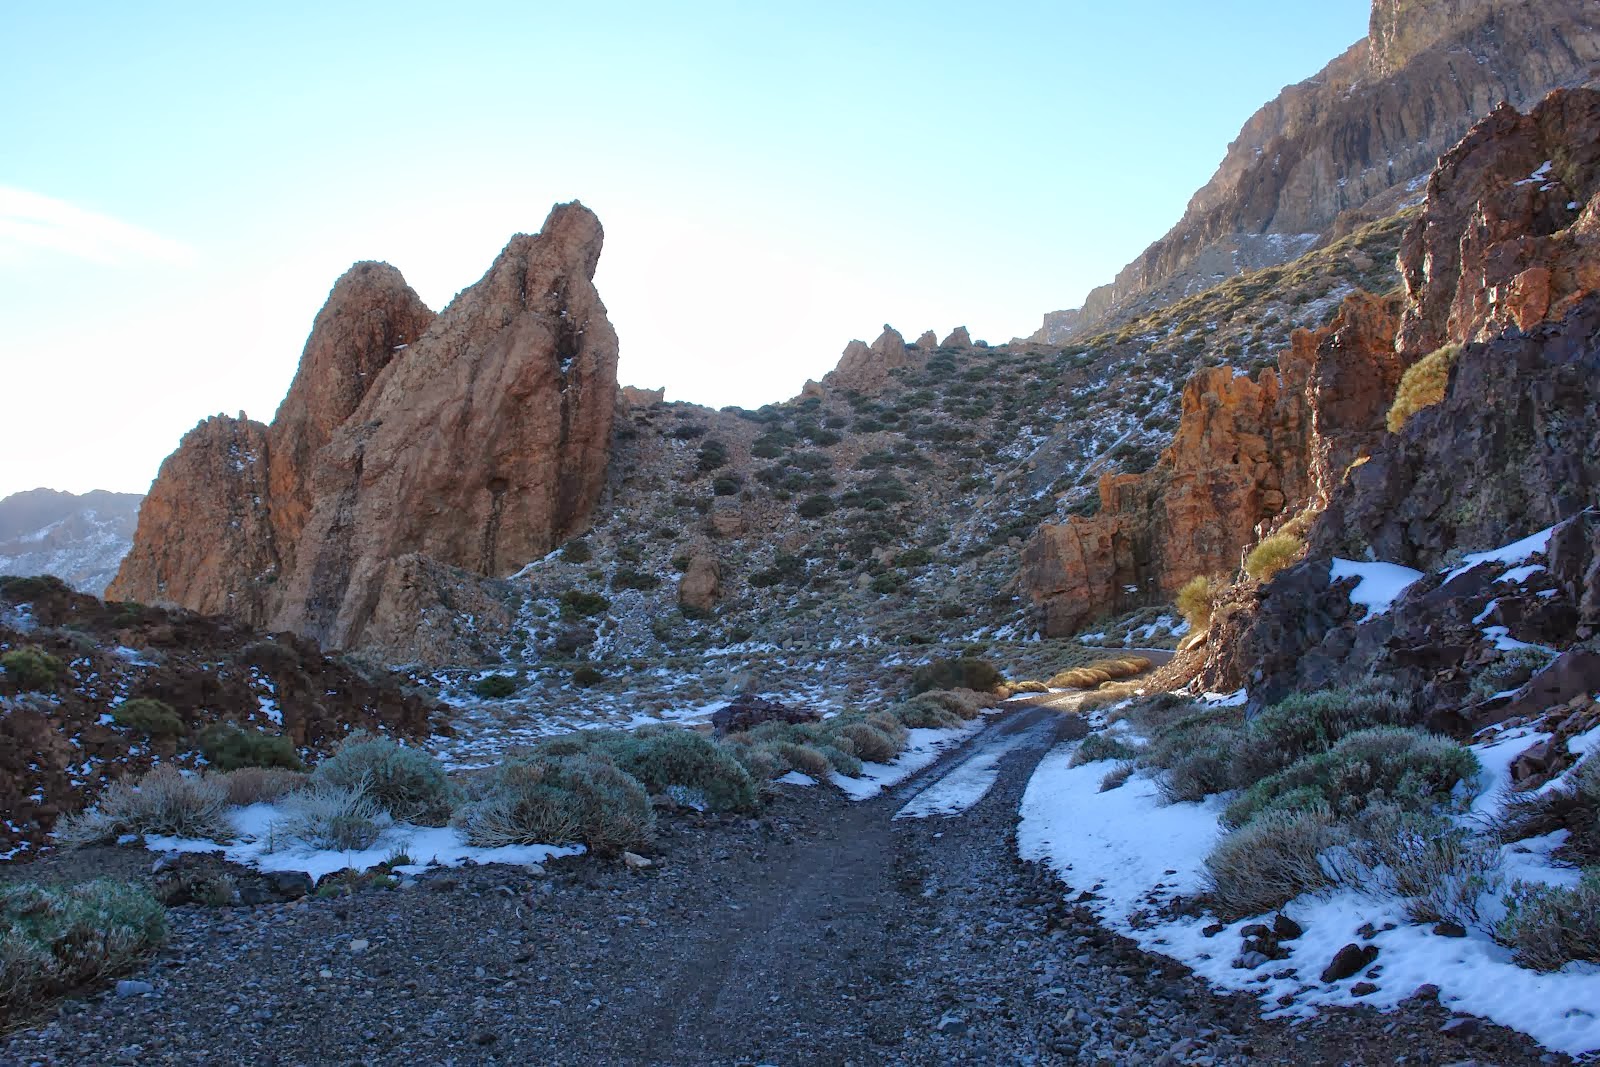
(824, 932)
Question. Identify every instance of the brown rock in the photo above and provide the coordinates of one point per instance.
(959, 338)
(701, 584)
(865, 369)
(634, 397)
(929, 340)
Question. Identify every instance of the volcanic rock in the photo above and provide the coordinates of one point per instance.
(959, 338)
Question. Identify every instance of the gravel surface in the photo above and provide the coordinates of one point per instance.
(822, 932)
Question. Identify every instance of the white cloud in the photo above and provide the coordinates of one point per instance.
(30, 222)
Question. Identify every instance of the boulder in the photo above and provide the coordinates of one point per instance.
(958, 338)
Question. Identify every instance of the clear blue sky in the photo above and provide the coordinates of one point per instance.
(180, 183)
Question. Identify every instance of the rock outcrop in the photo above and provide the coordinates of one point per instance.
(1363, 131)
(958, 338)
(409, 447)
(864, 368)
(1247, 454)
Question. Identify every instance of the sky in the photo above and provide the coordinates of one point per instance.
(181, 183)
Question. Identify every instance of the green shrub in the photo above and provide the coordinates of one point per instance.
(665, 756)
(31, 668)
(495, 686)
(846, 763)
(406, 782)
(1422, 385)
(803, 758)
(965, 672)
(1266, 864)
(713, 454)
(1102, 746)
(524, 806)
(1197, 762)
(586, 676)
(1196, 600)
(1440, 870)
(1510, 671)
(575, 603)
(1408, 768)
(913, 557)
(1272, 555)
(1548, 927)
(726, 485)
(629, 578)
(228, 747)
(886, 583)
(163, 802)
(1304, 724)
(867, 742)
(920, 713)
(54, 939)
(814, 506)
(577, 551)
(152, 718)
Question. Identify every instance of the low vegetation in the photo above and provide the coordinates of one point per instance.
(152, 718)
(406, 782)
(964, 672)
(494, 686)
(1196, 600)
(31, 669)
(1422, 385)
(1272, 555)
(228, 748)
(163, 802)
(1551, 926)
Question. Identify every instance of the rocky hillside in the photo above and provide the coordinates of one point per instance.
(80, 539)
(409, 450)
(1353, 142)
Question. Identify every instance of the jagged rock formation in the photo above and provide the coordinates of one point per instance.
(865, 369)
(1353, 139)
(1247, 452)
(958, 338)
(410, 451)
(80, 539)
(928, 340)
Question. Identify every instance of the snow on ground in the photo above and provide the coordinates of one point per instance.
(1135, 853)
(1515, 552)
(261, 845)
(1381, 583)
(970, 780)
(922, 749)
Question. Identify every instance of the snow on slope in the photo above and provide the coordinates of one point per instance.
(79, 539)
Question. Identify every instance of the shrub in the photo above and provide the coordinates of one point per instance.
(153, 718)
(867, 742)
(846, 763)
(1510, 671)
(1408, 768)
(1548, 927)
(525, 806)
(57, 938)
(1198, 763)
(726, 485)
(586, 676)
(228, 748)
(577, 551)
(713, 454)
(31, 668)
(575, 603)
(1439, 869)
(495, 686)
(803, 758)
(629, 578)
(913, 557)
(1102, 746)
(406, 782)
(666, 756)
(1304, 724)
(1268, 863)
(923, 713)
(761, 761)
(1572, 805)
(163, 802)
(259, 785)
(1196, 599)
(1422, 385)
(1272, 555)
(815, 506)
(339, 818)
(966, 672)
(1118, 776)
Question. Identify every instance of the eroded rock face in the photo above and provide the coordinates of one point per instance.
(1247, 454)
(410, 450)
(865, 368)
(701, 584)
(958, 338)
(1361, 131)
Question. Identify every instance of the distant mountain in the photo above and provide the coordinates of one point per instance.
(1352, 143)
(80, 539)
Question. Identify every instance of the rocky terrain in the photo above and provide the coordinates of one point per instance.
(1353, 142)
(80, 539)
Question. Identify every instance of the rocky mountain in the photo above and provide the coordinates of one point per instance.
(1353, 142)
(79, 538)
(410, 450)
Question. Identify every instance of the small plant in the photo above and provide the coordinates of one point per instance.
(726, 485)
(1304, 724)
(1572, 805)
(152, 718)
(406, 782)
(1102, 746)
(629, 578)
(1510, 671)
(57, 938)
(1548, 927)
(867, 741)
(575, 603)
(331, 817)
(163, 802)
(1118, 776)
(577, 551)
(587, 675)
(1196, 599)
(1422, 385)
(228, 748)
(815, 506)
(1268, 863)
(966, 672)
(663, 757)
(31, 669)
(1272, 555)
(494, 686)
(259, 785)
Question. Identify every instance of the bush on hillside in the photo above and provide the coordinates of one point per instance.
(1422, 385)
(577, 551)
(152, 718)
(867, 742)
(57, 938)
(1407, 768)
(1268, 863)
(406, 782)
(1548, 927)
(663, 757)
(1510, 671)
(1102, 746)
(31, 669)
(162, 802)
(259, 785)
(338, 818)
(228, 748)
(587, 675)
(965, 672)
(1304, 724)
(494, 686)
(1440, 870)
(1196, 599)
(1272, 555)
(575, 603)
(1572, 805)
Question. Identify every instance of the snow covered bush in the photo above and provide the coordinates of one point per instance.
(1442, 871)
(55, 938)
(330, 817)
(406, 782)
(1268, 863)
(1383, 763)
(1548, 927)
(163, 802)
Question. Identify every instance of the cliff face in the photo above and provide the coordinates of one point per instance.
(1362, 132)
(471, 442)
